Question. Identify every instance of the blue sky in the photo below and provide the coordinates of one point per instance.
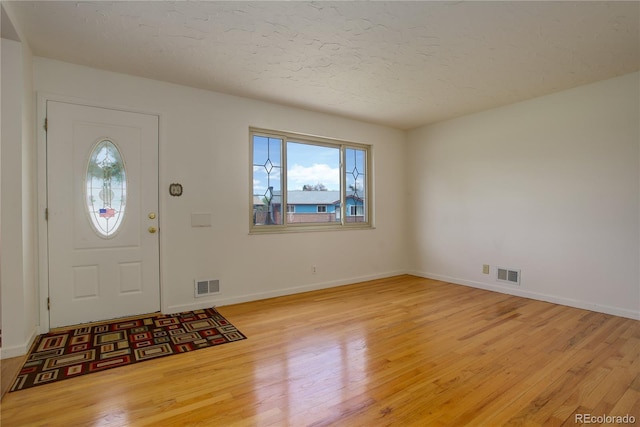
(312, 164)
(308, 164)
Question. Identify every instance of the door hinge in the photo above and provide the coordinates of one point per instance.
(46, 124)
(46, 214)
(49, 304)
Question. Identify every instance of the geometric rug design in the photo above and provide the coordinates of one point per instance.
(70, 353)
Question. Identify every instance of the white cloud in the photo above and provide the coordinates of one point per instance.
(260, 178)
(299, 175)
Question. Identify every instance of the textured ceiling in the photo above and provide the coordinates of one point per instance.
(402, 64)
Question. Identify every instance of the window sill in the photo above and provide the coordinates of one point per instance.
(275, 229)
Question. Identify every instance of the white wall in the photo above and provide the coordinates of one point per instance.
(18, 265)
(30, 213)
(549, 186)
(204, 145)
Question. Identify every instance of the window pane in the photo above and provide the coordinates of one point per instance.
(313, 183)
(267, 184)
(106, 188)
(356, 181)
(326, 183)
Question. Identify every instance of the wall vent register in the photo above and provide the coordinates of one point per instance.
(508, 275)
(207, 287)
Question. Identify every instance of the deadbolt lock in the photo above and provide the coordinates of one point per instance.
(152, 215)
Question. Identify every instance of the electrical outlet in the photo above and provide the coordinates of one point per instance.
(485, 268)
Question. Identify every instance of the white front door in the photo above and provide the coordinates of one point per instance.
(102, 198)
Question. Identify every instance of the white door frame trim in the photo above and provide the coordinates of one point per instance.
(43, 240)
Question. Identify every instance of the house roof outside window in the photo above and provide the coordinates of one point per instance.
(300, 197)
(313, 197)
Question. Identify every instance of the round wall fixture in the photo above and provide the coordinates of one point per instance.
(175, 189)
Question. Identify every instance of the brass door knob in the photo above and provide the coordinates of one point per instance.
(152, 230)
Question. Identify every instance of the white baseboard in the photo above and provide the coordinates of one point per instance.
(221, 301)
(585, 305)
(20, 349)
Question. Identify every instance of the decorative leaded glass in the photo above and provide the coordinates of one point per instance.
(267, 184)
(355, 168)
(106, 188)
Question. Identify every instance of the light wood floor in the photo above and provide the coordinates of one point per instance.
(9, 369)
(402, 351)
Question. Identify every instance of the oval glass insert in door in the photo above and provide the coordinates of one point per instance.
(106, 188)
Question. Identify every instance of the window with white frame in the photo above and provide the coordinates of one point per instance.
(309, 175)
(355, 210)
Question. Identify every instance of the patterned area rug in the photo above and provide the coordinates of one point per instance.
(66, 354)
